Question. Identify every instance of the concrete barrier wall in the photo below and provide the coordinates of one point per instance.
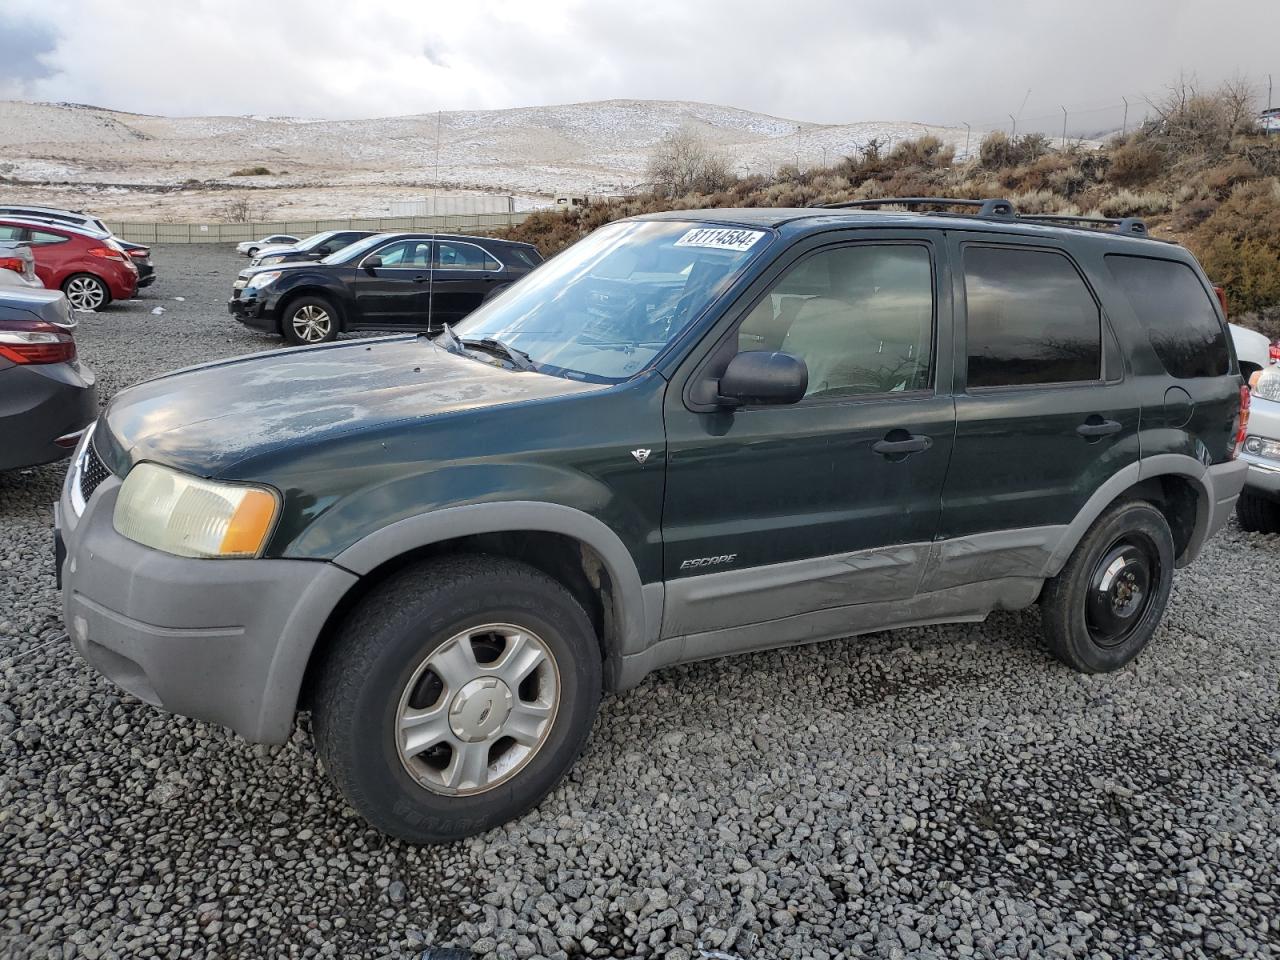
(235, 232)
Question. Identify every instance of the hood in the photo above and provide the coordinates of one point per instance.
(290, 265)
(206, 419)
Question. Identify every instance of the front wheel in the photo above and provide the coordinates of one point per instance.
(1102, 608)
(455, 697)
(86, 292)
(309, 320)
(253, 252)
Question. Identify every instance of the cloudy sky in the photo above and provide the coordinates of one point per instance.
(821, 60)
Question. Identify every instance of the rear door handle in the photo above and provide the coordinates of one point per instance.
(1096, 427)
(420, 279)
(891, 448)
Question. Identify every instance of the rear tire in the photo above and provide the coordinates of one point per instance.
(86, 292)
(455, 696)
(1102, 608)
(1257, 514)
(309, 320)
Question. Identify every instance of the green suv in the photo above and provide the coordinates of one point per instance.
(692, 434)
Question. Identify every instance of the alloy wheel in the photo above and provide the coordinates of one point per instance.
(311, 323)
(86, 293)
(477, 709)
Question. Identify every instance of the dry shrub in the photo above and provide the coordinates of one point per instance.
(683, 162)
(999, 150)
(1128, 203)
(927, 151)
(1134, 164)
(1191, 213)
(1239, 245)
(1222, 179)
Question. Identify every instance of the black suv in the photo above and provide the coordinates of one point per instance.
(692, 434)
(387, 281)
(315, 247)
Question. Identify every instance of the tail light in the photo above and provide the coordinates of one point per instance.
(16, 264)
(1275, 353)
(106, 253)
(31, 342)
(1222, 298)
(140, 254)
(1242, 428)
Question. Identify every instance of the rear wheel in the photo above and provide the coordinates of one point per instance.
(456, 696)
(1257, 514)
(309, 320)
(86, 292)
(1101, 610)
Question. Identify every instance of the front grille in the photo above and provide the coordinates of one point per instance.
(92, 472)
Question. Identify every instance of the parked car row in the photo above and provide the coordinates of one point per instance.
(384, 281)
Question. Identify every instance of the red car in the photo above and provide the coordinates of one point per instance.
(91, 271)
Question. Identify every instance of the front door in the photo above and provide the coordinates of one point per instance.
(1045, 413)
(776, 511)
(396, 293)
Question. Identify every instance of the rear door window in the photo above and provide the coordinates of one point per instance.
(45, 238)
(1030, 319)
(1175, 309)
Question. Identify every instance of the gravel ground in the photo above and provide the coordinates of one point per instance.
(936, 792)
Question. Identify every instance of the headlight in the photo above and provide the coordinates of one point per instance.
(268, 261)
(260, 280)
(184, 515)
(1266, 384)
(1262, 447)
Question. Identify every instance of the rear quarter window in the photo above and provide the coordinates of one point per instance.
(1177, 312)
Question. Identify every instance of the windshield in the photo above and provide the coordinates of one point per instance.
(316, 239)
(604, 308)
(354, 250)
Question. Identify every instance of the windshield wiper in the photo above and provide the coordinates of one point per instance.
(518, 358)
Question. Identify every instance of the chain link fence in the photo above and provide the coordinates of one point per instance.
(235, 232)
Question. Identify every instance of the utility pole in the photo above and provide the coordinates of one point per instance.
(1124, 124)
(435, 206)
(1064, 127)
(824, 158)
(1268, 91)
(1014, 130)
(967, 131)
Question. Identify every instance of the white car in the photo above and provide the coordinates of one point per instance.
(1258, 508)
(1253, 350)
(1269, 120)
(18, 265)
(250, 248)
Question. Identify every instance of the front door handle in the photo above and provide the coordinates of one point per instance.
(900, 448)
(1097, 427)
(420, 279)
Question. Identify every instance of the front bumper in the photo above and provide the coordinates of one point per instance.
(40, 403)
(254, 311)
(220, 640)
(1264, 472)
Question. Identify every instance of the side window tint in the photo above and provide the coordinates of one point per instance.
(407, 254)
(1030, 319)
(460, 256)
(1175, 309)
(43, 237)
(860, 317)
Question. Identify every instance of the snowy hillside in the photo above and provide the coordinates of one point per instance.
(128, 162)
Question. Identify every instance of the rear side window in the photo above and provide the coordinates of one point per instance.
(1031, 319)
(1176, 311)
(44, 237)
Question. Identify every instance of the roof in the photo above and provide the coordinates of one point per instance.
(801, 219)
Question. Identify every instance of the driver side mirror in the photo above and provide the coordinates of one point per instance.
(320, 252)
(372, 263)
(763, 377)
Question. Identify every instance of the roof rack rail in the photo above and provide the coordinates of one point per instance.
(1129, 225)
(1000, 209)
(986, 208)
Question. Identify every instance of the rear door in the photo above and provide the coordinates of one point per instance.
(464, 275)
(397, 292)
(776, 511)
(1045, 409)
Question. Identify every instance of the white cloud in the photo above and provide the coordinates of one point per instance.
(823, 60)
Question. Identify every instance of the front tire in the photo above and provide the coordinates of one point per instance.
(253, 252)
(1257, 514)
(1102, 608)
(86, 292)
(455, 697)
(308, 321)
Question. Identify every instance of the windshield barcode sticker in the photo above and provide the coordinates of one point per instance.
(720, 238)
